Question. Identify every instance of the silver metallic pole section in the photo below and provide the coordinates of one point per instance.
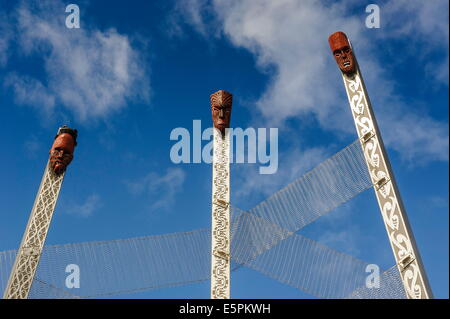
(399, 231)
(29, 253)
(220, 236)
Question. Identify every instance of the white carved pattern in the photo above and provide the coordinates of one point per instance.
(27, 259)
(357, 98)
(385, 190)
(410, 278)
(370, 152)
(221, 228)
(365, 124)
(377, 168)
(389, 213)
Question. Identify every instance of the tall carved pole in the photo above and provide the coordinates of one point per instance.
(29, 253)
(394, 215)
(221, 103)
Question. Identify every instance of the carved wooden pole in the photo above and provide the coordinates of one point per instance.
(221, 103)
(394, 215)
(29, 253)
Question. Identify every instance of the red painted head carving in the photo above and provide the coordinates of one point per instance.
(342, 52)
(221, 103)
(61, 153)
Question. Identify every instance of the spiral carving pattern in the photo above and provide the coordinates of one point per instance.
(393, 216)
(220, 273)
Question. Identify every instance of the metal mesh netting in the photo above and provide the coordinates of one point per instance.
(122, 266)
(322, 272)
(6, 262)
(263, 239)
(305, 264)
(330, 184)
(40, 289)
(43, 290)
(391, 287)
(131, 265)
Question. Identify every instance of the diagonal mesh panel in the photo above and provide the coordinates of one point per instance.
(263, 239)
(391, 287)
(330, 184)
(120, 266)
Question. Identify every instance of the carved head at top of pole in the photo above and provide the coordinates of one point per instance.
(61, 153)
(342, 52)
(221, 103)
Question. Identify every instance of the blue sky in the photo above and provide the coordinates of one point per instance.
(134, 71)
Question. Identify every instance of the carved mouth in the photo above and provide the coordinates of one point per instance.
(346, 64)
(58, 162)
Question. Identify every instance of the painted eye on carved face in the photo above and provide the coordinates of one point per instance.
(61, 152)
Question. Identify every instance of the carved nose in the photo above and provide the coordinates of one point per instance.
(221, 113)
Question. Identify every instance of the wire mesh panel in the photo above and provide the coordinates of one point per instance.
(316, 269)
(43, 290)
(390, 287)
(263, 239)
(6, 263)
(121, 266)
(330, 184)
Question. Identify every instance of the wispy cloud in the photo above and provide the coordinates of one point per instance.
(423, 27)
(161, 189)
(92, 203)
(291, 37)
(343, 240)
(32, 146)
(29, 91)
(189, 9)
(5, 37)
(87, 71)
(438, 202)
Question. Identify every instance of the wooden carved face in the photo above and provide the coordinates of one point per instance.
(61, 153)
(221, 103)
(342, 52)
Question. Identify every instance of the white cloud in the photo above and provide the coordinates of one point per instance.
(417, 20)
(423, 26)
(90, 72)
(91, 204)
(437, 202)
(161, 189)
(32, 146)
(291, 36)
(189, 9)
(343, 240)
(29, 91)
(5, 37)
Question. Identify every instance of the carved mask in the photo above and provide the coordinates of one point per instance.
(61, 153)
(221, 103)
(342, 52)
